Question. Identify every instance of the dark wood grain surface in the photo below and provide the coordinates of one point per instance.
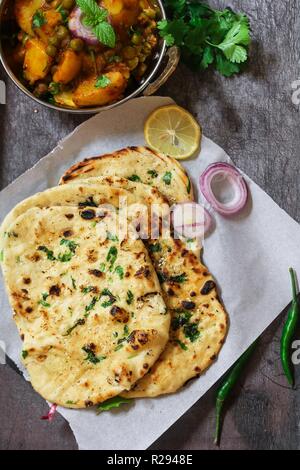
(253, 118)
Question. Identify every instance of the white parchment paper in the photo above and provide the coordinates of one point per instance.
(249, 255)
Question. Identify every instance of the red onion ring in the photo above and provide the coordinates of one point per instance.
(50, 415)
(190, 220)
(233, 176)
(78, 29)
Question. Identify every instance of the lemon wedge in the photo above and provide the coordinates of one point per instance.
(173, 131)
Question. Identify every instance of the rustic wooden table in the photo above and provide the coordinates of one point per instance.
(254, 119)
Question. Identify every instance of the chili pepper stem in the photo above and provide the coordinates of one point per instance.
(294, 286)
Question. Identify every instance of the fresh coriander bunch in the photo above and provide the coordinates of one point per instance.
(207, 37)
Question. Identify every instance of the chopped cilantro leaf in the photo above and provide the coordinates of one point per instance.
(181, 344)
(43, 302)
(130, 297)
(38, 19)
(90, 306)
(180, 319)
(24, 354)
(111, 257)
(48, 252)
(152, 173)
(78, 322)
(112, 403)
(91, 356)
(167, 178)
(102, 82)
(134, 178)
(191, 331)
(86, 290)
(120, 271)
(155, 248)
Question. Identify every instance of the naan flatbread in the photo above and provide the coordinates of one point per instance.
(199, 322)
(139, 164)
(88, 308)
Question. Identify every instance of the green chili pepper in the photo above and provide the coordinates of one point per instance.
(289, 331)
(227, 385)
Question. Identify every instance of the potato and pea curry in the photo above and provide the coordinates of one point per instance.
(83, 53)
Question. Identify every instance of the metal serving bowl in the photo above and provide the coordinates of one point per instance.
(164, 63)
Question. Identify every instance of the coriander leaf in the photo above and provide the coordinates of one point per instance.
(73, 282)
(182, 318)
(111, 298)
(91, 356)
(90, 306)
(24, 354)
(207, 58)
(176, 29)
(54, 88)
(105, 34)
(114, 402)
(112, 256)
(225, 67)
(170, 41)
(102, 82)
(48, 252)
(130, 297)
(177, 6)
(134, 178)
(238, 55)
(86, 290)
(43, 302)
(191, 331)
(198, 10)
(167, 178)
(238, 35)
(152, 173)
(181, 344)
(64, 13)
(155, 248)
(70, 244)
(102, 267)
(120, 271)
(38, 19)
(65, 257)
(78, 322)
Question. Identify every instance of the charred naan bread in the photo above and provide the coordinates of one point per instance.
(198, 325)
(139, 164)
(80, 195)
(88, 307)
(199, 321)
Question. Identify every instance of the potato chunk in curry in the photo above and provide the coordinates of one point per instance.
(36, 61)
(88, 94)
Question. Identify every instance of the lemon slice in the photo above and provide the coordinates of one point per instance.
(173, 131)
